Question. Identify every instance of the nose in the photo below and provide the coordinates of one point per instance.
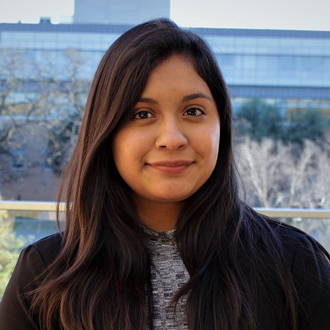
(171, 136)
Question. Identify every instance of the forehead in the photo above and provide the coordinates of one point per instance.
(175, 74)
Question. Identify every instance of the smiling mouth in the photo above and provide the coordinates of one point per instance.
(171, 167)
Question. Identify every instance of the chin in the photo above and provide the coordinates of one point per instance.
(170, 198)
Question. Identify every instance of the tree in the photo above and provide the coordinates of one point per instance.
(10, 247)
(306, 124)
(281, 177)
(276, 175)
(260, 171)
(69, 96)
(34, 95)
(258, 120)
(23, 98)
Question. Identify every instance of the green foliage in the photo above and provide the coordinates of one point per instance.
(259, 120)
(10, 247)
(308, 124)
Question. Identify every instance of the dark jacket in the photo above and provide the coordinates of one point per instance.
(310, 270)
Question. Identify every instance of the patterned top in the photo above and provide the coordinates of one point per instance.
(168, 274)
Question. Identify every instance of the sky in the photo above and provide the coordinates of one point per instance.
(263, 14)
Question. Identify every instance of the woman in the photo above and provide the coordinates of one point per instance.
(156, 236)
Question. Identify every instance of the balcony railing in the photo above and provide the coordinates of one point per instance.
(38, 219)
(272, 212)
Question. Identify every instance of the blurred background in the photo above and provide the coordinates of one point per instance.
(275, 57)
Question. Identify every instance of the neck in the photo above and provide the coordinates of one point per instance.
(158, 216)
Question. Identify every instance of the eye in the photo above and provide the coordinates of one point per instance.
(142, 115)
(194, 112)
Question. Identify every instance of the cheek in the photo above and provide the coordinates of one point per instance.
(211, 143)
(128, 148)
(120, 151)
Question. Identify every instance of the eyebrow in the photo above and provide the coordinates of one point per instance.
(195, 96)
(147, 100)
(184, 99)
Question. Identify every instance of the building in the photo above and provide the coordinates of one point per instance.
(119, 12)
(288, 68)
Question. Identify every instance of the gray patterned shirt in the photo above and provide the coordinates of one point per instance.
(168, 274)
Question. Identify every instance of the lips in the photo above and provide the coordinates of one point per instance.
(171, 167)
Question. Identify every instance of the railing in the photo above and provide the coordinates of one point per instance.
(38, 219)
(272, 212)
(29, 206)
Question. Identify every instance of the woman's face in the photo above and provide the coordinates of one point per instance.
(169, 147)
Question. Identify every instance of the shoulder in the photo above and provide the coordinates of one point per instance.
(39, 255)
(47, 248)
(306, 269)
(309, 264)
(305, 258)
(34, 260)
(296, 242)
(297, 246)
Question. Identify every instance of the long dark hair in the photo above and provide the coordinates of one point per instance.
(101, 278)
